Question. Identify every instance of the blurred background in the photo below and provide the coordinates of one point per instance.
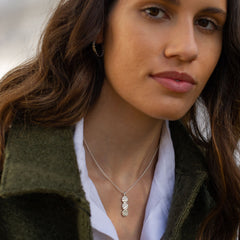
(21, 24)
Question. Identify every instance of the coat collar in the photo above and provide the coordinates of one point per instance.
(43, 160)
(40, 160)
(191, 173)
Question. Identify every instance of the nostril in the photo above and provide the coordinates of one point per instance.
(185, 50)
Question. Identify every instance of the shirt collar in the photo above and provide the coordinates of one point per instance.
(158, 205)
(156, 214)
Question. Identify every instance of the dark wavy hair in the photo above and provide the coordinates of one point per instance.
(58, 86)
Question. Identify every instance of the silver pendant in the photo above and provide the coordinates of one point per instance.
(124, 205)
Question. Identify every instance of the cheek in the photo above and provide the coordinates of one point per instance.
(124, 61)
(129, 49)
(209, 59)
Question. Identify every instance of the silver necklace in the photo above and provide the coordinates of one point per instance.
(124, 199)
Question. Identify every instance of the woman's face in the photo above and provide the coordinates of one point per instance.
(159, 54)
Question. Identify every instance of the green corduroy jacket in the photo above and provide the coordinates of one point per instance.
(41, 196)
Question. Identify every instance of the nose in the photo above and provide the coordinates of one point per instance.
(181, 43)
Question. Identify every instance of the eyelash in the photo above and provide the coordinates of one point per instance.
(215, 26)
(148, 14)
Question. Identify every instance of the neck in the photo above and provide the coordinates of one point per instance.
(122, 139)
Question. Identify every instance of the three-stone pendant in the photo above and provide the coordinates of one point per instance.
(124, 205)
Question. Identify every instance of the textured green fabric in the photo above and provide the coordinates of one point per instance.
(191, 199)
(41, 197)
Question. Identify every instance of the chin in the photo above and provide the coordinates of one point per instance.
(168, 115)
(174, 117)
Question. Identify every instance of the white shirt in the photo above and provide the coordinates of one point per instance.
(159, 201)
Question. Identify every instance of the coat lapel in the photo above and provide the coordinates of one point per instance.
(190, 175)
(41, 160)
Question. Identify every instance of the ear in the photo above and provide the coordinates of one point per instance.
(99, 39)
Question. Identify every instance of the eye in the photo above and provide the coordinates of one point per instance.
(207, 24)
(155, 12)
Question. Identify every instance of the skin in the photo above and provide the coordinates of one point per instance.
(124, 125)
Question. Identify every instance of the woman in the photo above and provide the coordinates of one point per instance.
(98, 99)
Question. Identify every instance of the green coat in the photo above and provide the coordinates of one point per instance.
(41, 197)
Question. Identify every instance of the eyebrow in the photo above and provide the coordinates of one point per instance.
(206, 10)
(175, 2)
(214, 11)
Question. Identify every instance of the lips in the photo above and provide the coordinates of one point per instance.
(175, 81)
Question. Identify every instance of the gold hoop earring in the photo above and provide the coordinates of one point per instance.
(98, 48)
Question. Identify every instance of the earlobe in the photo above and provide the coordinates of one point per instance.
(98, 49)
(99, 39)
(97, 45)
